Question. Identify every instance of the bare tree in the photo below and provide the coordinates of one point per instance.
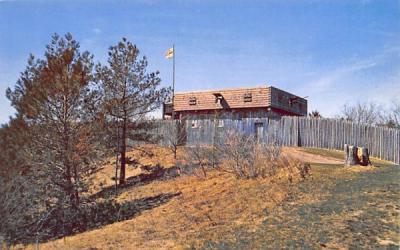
(217, 138)
(366, 112)
(243, 156)
(196, 157)
(175, 135)
(393, 118)
(129, 94)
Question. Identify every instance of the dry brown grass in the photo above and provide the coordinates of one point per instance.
(207, 209)
(156, 155)
(358, 168)
(217, 207)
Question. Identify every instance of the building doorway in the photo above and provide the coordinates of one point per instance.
(259, 131)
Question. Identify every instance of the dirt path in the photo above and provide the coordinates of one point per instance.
(308, 157)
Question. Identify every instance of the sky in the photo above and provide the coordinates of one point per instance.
(334, 52)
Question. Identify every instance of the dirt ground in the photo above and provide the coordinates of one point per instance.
(304, 156)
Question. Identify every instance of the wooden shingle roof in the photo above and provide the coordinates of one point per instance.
(232, 98)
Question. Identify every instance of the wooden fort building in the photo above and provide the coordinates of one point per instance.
(238, 103)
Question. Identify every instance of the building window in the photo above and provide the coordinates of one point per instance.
(247, 97)
(192, 100)
(280, 98)
(218, 98)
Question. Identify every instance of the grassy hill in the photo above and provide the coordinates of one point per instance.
(336, 207)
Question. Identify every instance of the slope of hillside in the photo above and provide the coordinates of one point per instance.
(339, 209)
(222, 212)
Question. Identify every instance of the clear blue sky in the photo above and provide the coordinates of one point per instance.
(335, 52)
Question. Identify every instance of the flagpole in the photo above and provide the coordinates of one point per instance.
(173, 82)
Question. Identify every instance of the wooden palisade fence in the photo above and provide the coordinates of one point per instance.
(383, 143)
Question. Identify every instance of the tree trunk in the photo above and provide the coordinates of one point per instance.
(123, 155)
(74, 198)
(117, 156)
(122, 171)
(76, 183)
(175, 149)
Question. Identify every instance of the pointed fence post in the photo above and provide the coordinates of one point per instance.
(346, 154)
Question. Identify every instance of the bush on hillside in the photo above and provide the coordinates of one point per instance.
(244, 157)
(196, 160)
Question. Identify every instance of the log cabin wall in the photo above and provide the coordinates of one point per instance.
(287, 102)
(233, 114)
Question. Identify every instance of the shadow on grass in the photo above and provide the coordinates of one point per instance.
(97, 214)
(107, 212)
(153, 173)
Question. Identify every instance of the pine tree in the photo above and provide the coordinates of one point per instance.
(56, 100)
(129, 94)
(13, 140)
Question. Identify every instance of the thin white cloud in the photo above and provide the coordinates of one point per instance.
(328, 80)
(389, 90)
(97, 31)
(355, 80)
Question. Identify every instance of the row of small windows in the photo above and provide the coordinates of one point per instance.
(195, 123)
(247, 97)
